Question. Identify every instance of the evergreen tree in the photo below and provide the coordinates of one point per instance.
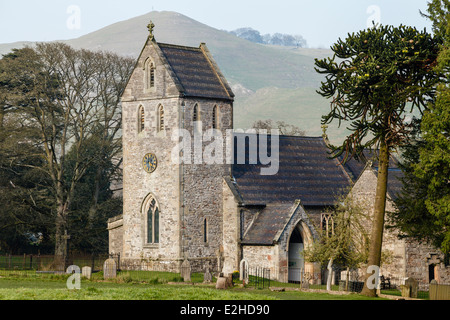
(382, 73)
(423, 206)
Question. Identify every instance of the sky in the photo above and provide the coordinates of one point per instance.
(320, 22)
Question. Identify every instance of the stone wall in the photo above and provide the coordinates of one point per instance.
(115, 231)
(231, 230)
(404, 258)
(202, 187)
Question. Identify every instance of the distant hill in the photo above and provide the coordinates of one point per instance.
(269, 81)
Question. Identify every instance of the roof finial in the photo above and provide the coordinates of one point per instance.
(325, 135)
(150, 29)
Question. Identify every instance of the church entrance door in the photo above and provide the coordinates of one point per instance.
(295, 262)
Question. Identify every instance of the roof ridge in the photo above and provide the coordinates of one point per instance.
(215, 69)
(176, 46)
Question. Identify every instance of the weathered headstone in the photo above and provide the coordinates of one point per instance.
(220, 259)
(207, 277)
(86, 272)
(412, 283)
(243, 271)
(224, 281)
(409, 289)
(186, 271)
(221, 283)
(109, 269)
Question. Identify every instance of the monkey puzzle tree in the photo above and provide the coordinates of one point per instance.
(375, 78)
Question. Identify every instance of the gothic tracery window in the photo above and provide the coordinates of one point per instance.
(327, 224)
(152, 221)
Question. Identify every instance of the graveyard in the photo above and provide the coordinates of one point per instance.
(104, 280)
(27, 285)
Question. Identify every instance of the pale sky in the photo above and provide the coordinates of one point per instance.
(320, 22)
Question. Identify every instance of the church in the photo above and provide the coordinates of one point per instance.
(218, 214)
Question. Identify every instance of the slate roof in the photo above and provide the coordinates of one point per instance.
(268, 224)
(196, 72)
(305, 173)
(356, 167)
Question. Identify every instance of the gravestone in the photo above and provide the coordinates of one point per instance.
(186, 271)
(109, 269)
(243, 271)
(220, 260)
(221, 283)
(409, 289)
(224, 282)
(86, 272)
(207, 277)
(412, 283)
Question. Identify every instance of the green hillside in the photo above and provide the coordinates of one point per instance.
(269, 81)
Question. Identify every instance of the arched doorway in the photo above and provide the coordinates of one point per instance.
(295, 263)
(300, 238)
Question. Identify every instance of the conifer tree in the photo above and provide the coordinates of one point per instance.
(375, 78)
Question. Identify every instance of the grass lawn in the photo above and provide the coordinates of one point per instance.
(32, 286)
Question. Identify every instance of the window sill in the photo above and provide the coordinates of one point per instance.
(151, 245)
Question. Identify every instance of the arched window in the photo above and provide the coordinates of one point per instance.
(151, 211)
(152, 75)
(196, 118)
(327, 224)
(195, 114)
(149, 68)
(161, 126)
(141, 119)
(215, 118)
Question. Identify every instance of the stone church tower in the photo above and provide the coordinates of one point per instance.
(172, 208)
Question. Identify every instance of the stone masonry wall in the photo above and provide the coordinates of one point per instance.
(202, 183)
(405, 258)
(115, 230)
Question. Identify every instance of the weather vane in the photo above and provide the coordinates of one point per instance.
(150, 29)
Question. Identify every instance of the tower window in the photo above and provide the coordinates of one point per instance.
(141, 119)
(161, 126)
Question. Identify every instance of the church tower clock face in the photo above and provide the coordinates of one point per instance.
(149, 162)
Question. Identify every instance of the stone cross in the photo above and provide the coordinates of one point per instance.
(150, 29)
